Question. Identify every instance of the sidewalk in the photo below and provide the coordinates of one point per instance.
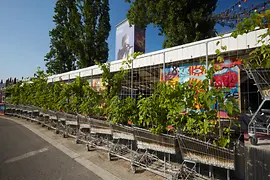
(96, 161)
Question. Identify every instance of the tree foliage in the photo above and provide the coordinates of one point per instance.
(188, 108)
(181, 21)
(80, 35)
(60, 58)
(95, 28)
(193, 108)
(260, 56)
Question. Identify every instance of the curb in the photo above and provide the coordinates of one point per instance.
(104, 174)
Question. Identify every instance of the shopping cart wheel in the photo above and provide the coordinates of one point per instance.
(254, 140)
(48, 127)
(42, 125)
(109, 156)
(77, 141)
(176, 176)
(133, 168)
(64, 135)
(88, 147)
(56, 131)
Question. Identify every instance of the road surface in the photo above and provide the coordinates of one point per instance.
(25, 156)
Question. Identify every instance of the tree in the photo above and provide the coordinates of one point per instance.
(104, 28)
(7, 82)
(73, 30)
(260, 56)
(79, 38)
(181, 21)
(60, 58)
(95, 31)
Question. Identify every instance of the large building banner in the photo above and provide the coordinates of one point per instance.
(129, 39)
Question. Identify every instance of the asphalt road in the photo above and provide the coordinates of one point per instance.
(25, 156)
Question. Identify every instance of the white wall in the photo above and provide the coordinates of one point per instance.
(178, 53)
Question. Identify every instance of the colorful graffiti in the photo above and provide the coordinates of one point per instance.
(171, 73)
(192, 72)
(96, 83)
(227, 75)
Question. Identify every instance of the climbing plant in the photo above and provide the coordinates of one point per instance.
(191, 107)
(64, 102)
(260, 56)
(39, 89)
(123, 111)
(113, 84)
(91, 99)
(76, 89)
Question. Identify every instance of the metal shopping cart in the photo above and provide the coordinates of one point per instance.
(260, 121)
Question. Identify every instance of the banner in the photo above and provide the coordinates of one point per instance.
(128, 40)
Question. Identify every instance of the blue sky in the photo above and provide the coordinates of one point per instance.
(24, 38)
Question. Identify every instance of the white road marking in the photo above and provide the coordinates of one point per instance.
(26, 155)
(103, 173)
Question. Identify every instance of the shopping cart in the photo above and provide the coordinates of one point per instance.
(205, 153)
(260, 121)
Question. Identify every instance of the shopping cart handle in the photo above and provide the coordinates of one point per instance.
(266, 111)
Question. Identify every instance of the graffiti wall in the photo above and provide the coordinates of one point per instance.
(171, 74)
(96, 83)
(191, 72)
(227, 75)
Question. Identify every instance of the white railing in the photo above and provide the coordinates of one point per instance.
(203, 48)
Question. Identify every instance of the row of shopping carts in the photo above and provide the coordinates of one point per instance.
(136, 145)
(117, 140)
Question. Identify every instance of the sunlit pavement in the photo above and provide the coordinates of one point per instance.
(95, 161)
(26, 156)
